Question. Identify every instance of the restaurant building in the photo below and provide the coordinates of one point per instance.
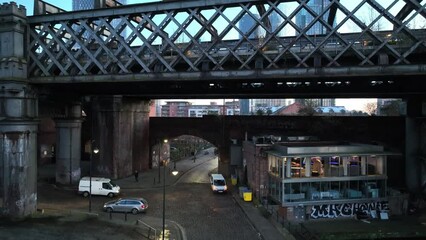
(317, 179)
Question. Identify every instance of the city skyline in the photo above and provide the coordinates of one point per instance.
(351, 104)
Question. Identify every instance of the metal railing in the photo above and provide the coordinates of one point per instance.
(151, 233)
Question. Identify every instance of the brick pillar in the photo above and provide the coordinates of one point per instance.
(121, 130)
(412, 144)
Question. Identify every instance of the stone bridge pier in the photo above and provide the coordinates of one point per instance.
(68, 145)
(120, 129)
(18, 118)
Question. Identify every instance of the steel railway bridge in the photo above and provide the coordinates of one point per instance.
(120, 57)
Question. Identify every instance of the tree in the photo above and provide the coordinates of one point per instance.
(308, 109)
(371, 108)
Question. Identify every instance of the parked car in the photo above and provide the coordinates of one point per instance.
(100, 186)
(133, 205)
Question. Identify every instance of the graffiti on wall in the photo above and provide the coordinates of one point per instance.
(346, 209)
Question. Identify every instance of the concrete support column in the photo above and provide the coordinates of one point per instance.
(308, 171)
(345, 163)
(18, 118)
(18, 168)
(288, 168)
(412, 144)
(68, 150)
(364, 167)
(121, 130)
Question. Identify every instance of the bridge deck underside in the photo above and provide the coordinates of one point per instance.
(215, 46)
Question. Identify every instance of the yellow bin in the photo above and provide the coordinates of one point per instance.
(247, 196)
(234, 181)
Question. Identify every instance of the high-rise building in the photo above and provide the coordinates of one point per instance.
(175, 109)
(271, 102)
(318, 102)
(92, 4)
(275, 20)
(246, 23)
(83, 4)
(245, 106)
(304, 18)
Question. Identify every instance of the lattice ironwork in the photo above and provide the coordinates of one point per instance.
(197, 36)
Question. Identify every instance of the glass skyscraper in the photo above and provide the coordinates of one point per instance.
(89, 4)
(82, 4)
(303, 18)
(246, 23)
(92, 4)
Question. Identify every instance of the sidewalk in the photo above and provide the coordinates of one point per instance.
(264, 227)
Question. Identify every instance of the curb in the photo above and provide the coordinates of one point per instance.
(259, 235)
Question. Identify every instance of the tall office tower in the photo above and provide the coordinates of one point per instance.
(92, 4)
(246, 23)
(245, 106)
(83, 4)
(275, 20)
(304, 18)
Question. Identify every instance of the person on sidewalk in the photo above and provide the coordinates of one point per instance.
(136, 175)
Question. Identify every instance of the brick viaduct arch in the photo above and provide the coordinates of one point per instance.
(220, 130)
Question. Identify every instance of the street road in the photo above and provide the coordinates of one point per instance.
(189, 202)
(202, 213)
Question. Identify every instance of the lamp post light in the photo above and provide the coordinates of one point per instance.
(174, 172)
(92, 151)
(160, 149)
(159, 157)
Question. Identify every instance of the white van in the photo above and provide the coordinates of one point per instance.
(100, 186)
(218, 183)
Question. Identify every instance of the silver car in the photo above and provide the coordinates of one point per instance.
(133, 205)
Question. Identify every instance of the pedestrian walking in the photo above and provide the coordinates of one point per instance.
(136, 175)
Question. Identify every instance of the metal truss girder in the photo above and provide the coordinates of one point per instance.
(332, 14)
(409, 6)
(391, 81)
(41, 7)
(146, 38)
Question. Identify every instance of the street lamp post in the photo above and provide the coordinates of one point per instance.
(174, 172)
(159, 157)
(164, 198)
(95, 151)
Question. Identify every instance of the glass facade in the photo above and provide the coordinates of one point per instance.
(246, 24)
(304, 18)
(319, 178)
(90, 4)
(244, 106)
(82, 4)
